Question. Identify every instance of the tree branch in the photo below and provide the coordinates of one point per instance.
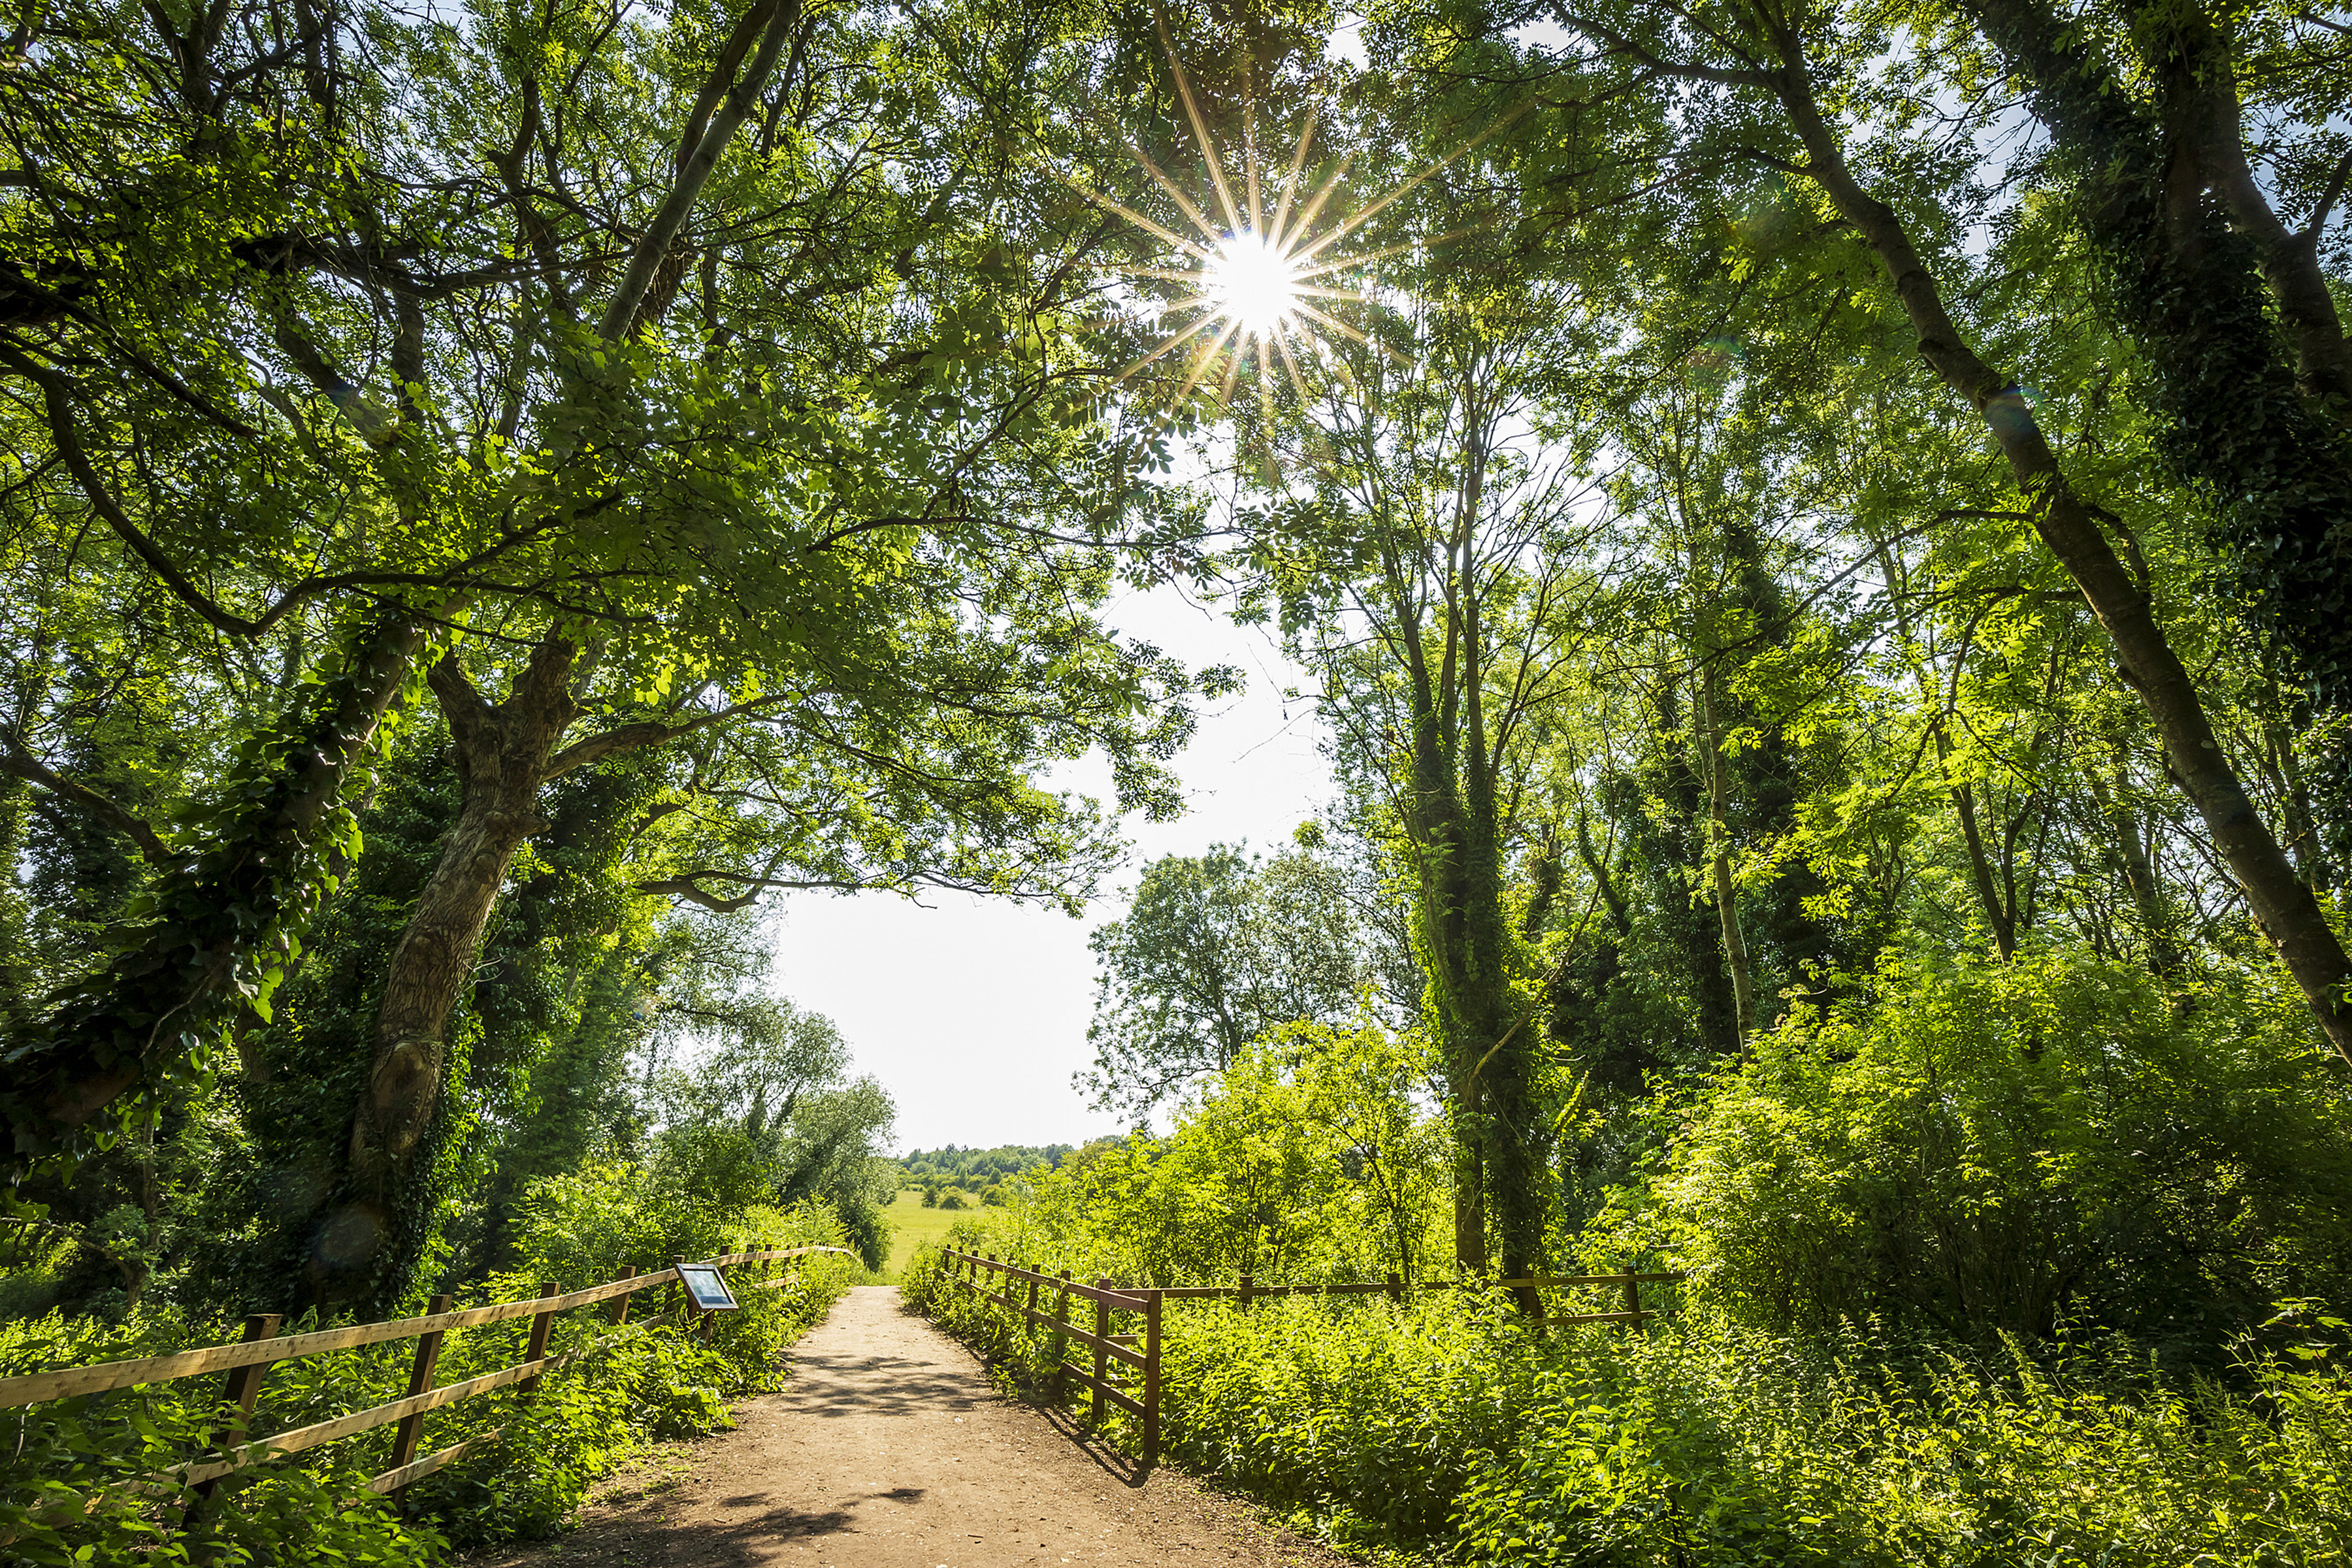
(15, 758)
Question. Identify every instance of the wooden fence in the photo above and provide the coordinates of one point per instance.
(1139, 1352)
(1629, 1283)
(247, 1363)
(1018, 1294)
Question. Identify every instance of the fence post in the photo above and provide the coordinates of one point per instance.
(242, 1386)
(405, 1436)
(1151, 1379)
(618, 1312)
(541, 1325)
(1062, 1339)
(1102, 1337)
(1396, 1287)
(1633, 1297)
(1033, 1291)
(1247, 1282)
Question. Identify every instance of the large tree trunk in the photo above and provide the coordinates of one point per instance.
(1437, 832)
(373, 1239)
(1517, 1162)
(169, 996)
(2184, 285)
(2206, 126)
(2070, 527)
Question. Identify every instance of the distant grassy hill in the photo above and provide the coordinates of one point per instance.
(972, 1169)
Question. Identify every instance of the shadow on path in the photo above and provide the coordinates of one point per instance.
(890, 1448)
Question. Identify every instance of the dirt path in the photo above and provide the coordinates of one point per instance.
(890, 1449)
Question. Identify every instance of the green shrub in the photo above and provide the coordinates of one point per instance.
(591, 1224)
(1733, 1446)
(1447, 1428)
(638, 1385)
(1975, 1148)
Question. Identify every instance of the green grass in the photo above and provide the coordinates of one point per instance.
(912, 1225)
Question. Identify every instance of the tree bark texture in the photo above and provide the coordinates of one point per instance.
(2070, 527)
(503, 751)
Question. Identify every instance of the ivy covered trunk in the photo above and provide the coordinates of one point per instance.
(2070, 527)
(2264, 438)
(225, 919)
(372, 1241)
(1501, 1170)
(1435, 824)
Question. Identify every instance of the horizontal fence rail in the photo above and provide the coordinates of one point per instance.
(248, 1362)
(1396, 1289)
(1393, 1287)
(1140, 1396)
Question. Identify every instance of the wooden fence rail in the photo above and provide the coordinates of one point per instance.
(248, 1360)
(1140, 1352)
(1630, 1283)
(1015, 1290)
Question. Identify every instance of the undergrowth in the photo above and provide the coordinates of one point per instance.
(1444, 1430)
(642, 1385)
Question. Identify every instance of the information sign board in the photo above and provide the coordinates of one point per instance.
(706, 1286)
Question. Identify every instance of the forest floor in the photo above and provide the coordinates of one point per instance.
(890, 1449)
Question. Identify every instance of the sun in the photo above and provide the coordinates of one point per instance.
(1263, 287)
(1253, 284)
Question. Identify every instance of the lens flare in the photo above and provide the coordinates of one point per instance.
(1253, 284)
(1268, 283)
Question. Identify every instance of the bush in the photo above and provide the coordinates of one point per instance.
(605, 1216)
(1978, 1148)
(642, 1384)
(1447, 1428)
(1734, 1446)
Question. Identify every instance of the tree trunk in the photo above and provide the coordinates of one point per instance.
(1718, 847)
(2163, 949)
(376, 1237)
(2184, 285)
(2206, 126)
(2070, 527)
(1517, 1161)
(1996, 912)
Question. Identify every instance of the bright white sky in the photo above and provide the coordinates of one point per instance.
(973, 1012)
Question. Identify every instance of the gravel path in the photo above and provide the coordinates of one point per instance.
(890, 1449)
